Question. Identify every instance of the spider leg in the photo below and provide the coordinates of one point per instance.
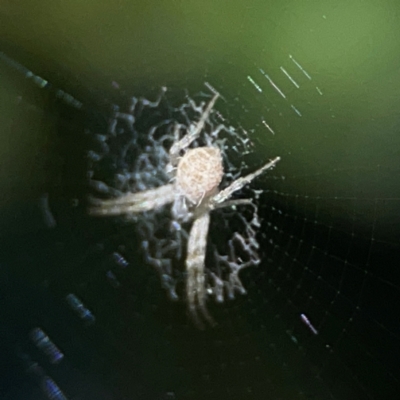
(134, 202)
(193, 133)
(201, 296)
(191, 296)
(232, 203)
(236, 185)
(195, 282)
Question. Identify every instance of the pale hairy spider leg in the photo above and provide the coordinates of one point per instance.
(194, 131)
(191, 297)
(240, 182)
(128, 198)
(211, 88)
(201, 296)
(231, 203)
(196, 254)
(135, 202)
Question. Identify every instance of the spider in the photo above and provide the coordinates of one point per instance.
(194, 192)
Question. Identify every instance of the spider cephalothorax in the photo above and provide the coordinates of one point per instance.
(194, 192)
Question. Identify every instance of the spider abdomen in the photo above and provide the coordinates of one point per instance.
(199, 173)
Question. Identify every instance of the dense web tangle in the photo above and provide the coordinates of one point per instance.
(142, 164)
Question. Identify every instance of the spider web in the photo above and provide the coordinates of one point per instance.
(132, 156)
(320, 317)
